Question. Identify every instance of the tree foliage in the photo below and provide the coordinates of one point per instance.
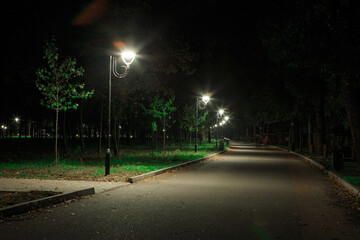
(160, 108)
(53, 82)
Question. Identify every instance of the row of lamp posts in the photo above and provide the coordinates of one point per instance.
(127, 58)
(201, 103)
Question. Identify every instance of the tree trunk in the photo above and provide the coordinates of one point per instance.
(64, 132)
(118, 134)
(164, 135)
(353, 115)
(153, 140)
(81, 128)
(114, 135)
(310, 137)
(291, 142)
(300, 136)
(156, 139)
(209, 135)
(19, 125)
(320, 125)
(56, 135)
(101, 124)
(189, 136)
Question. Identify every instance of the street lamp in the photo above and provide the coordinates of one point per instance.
(127, 57)
(3, 127)
(17, 122)
(204, 99)
(218, 116)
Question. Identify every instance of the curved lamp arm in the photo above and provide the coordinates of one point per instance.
(115, 72)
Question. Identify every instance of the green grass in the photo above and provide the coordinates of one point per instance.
(355, 180)
(350, 173)
(130, 162)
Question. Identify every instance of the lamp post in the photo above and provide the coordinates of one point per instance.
(127, 57)
(219, 114)
(4, 133)
(17, 123)
(205, 99)
(226, 118)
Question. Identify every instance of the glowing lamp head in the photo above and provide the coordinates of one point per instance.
(221, 112)
(128, 57)
(226, 118)
(206, 99)
(17, 119)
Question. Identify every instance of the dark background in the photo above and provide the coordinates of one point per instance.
(274, 64)
(222, 34)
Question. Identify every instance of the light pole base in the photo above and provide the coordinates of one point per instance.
(107, 162)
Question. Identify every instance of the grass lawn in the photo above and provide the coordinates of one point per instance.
(91, 166)
(350, 173)
(354, 180)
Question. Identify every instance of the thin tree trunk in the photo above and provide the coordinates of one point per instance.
(291, 134)
(300, 137)
(164, 135)
(81, 128)
(28, 125)
(116, 149)
(56, 136)
(101, 123)
(209, 135)
(320, 125)
(64, 132)
(156, 139)
(310, 137)
(153, 140)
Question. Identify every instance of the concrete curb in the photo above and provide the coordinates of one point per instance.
(42, 202)
(351, 188)
(135, 179)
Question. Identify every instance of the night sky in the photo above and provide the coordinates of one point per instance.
(223, 34)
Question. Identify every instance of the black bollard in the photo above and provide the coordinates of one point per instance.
(107, 162)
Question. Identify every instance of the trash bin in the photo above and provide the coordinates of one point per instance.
(221, 145)
(337, 162)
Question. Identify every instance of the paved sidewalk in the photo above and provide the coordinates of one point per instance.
(9, 184)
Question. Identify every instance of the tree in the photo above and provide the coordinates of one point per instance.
(160, 108)
(53, 82)
(320, 39)
(188, 120)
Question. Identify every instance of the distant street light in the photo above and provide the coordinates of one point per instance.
(204, 99)
(127, 57)
(17, 122)
(4, 133)
(220, 112)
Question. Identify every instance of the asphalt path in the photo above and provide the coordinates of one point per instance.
(247, 193)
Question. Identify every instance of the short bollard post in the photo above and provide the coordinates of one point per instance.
(107, 162)
(221, 145)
